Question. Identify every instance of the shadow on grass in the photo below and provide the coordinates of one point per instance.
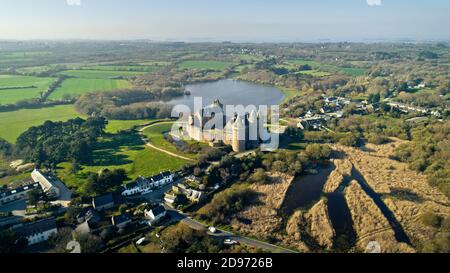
(108, 151)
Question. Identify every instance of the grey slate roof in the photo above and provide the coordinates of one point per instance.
(36, 227)
(19, 190)
(158, 210)
(103, 200)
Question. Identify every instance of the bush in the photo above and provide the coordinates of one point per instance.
(431, 219)
(350, 140)
(377, 139)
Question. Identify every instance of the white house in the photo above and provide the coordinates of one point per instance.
(144, 185)
(48, 184)
(19, 193)
(37, 232)
(155, 214)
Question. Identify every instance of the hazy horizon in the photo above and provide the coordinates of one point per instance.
(232, 20)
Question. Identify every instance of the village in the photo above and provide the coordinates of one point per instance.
(334, 108)
(129, 212)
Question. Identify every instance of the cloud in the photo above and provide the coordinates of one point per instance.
(374, 2)
(73, 2)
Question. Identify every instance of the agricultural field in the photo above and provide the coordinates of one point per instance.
(126, 68)
(249, 58)
(14, 123)
(213, 65)
(16, 88)
(14, 59)
(315, 73)
(321, 69)
(125, 151)
(100, 74)
(74, 87)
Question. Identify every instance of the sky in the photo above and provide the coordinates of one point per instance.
(226, 20)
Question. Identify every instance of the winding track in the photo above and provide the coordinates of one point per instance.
(150, 145)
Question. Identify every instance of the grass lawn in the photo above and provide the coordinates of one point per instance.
(289, 93)
(125, 151)
(15, 180)
(155, 134)
(13, 123)
(213, 65)
(16, 88)
(75, 87)
(114, 126)
(100, 74)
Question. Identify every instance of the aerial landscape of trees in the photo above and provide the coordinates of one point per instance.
(56, 142)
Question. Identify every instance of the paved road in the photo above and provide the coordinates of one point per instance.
(223, 235)
(159, 149)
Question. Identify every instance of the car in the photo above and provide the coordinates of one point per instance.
(230, 242)
(141, 241)
(212, 229)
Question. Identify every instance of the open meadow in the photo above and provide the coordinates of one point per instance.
(16, 88)
(321, 69)
(100, 74)
(14, 123)
(126, 151)
(155, 135)
(74, 87)
(213, 65)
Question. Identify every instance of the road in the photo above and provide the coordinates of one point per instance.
(160, 149)
(223, 235)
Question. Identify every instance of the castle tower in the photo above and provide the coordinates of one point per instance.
(253, 129)
(239, 137)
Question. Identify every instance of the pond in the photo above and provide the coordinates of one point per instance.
(231, 92)
(306, 190)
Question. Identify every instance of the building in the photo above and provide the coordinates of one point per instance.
(48, 183)
(121, 221)
(145, 185)
(19, 193)
(104, 202)
(37, 232)
(311, 123)
(192, 195)
(241, 132)
(170, 198)
(155, 214)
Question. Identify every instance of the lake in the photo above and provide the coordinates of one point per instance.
(231, 92)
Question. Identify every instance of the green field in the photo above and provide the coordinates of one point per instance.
(322, 69)
(125, 151)
(315, 73)
(213, 65)
(155, 134)
(353, 71)
(75, 87)
(15, 180)
(100, 74)
(13, 123)
(126, 68)
(115, 126)
(16, 88)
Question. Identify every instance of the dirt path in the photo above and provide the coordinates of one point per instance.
(148, 144)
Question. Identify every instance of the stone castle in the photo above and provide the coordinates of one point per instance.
(241, 132)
